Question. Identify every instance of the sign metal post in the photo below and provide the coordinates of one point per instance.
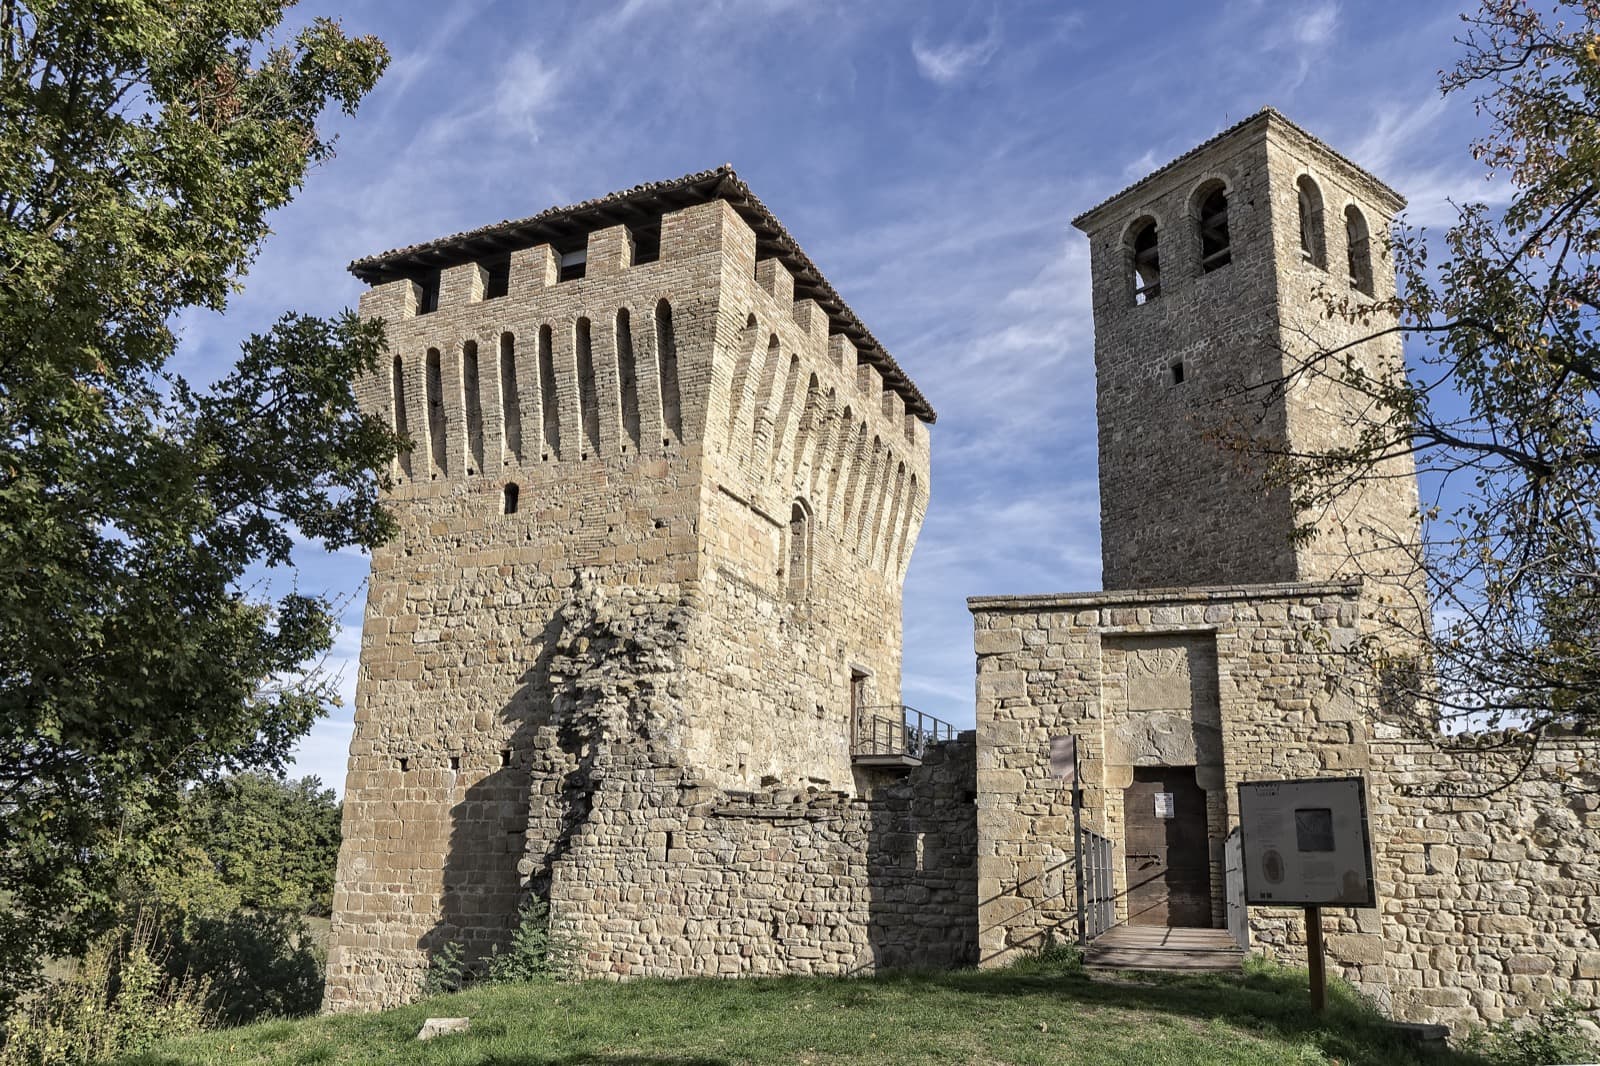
(1307, 843)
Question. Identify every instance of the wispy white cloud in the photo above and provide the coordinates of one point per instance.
(953, 61)
(1395, 130)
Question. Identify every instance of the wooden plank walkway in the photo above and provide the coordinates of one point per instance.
(1153, 947)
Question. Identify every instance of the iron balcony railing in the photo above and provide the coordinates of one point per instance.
(895, 729)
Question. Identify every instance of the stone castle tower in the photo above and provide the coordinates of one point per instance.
(1213, 279)
(662, 493)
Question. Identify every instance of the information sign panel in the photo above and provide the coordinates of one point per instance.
(1064, 760)
(1306, 843)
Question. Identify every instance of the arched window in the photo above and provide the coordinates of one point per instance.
(509, 498)
(1215, 247)
(1313, 249)
(1146, 263)
(799, 546)
(1358, 249)
(588, 398)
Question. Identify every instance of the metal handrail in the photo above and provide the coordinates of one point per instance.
(895, 729)
(1099, 895)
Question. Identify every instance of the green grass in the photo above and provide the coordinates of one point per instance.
(1037, 1012)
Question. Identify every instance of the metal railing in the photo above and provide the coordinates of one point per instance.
(1099, 897)
(895, 729)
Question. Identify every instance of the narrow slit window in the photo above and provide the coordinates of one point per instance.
(1175, 372)
(400, 426)
(505, 757)
(667, 374)
(434, 385)
(549, 402)
(472, 405)
(1358, 249)
(588, 400)
(627, 379)
(510, 399)
(1146, 264)
(1215, 246)
(509, 498)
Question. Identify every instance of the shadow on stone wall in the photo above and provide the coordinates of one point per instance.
(481, 882)
(921, 863)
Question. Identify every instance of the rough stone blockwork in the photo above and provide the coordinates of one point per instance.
(662, 491)
(1484, 858)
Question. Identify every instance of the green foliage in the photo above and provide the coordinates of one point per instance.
(256, 842)
(146, 143)
(252, 964)
(539, 948)
(446, 969)
(118, 999)
(1502, 322)
(1551, 1037)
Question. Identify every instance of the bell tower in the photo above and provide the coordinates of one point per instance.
(1212, 281)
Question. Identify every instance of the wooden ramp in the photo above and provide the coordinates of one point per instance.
(1154, 947)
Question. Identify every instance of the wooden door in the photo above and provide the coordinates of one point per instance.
(1167, 854)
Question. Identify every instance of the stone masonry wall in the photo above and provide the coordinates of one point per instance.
(606, 403)
(1191, 375)
(671, 877)
(1484, 858)
(1060, 665)
(1175, 507)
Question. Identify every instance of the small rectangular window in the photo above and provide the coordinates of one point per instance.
(1175, 372)
(455, 762)
(405, 764)
(505, 757)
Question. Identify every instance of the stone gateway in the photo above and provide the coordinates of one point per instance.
(636, 649)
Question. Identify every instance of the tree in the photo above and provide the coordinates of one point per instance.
(255, 842)
(1501, 408)
(143, 145)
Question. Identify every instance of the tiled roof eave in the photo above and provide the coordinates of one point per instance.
(1266, 114)
(656, 197)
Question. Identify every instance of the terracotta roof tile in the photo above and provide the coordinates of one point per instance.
(640, 201)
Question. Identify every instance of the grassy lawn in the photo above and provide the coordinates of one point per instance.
(1036, 1012)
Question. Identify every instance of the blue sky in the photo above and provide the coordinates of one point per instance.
(927, 155)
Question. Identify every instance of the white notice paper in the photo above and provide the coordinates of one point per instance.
(1164, 805)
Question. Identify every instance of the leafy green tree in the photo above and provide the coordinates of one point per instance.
(1502, 403)
(143, 146)
(255, 842)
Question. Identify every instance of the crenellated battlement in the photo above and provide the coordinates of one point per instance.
(660, 495)
(614, 345)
